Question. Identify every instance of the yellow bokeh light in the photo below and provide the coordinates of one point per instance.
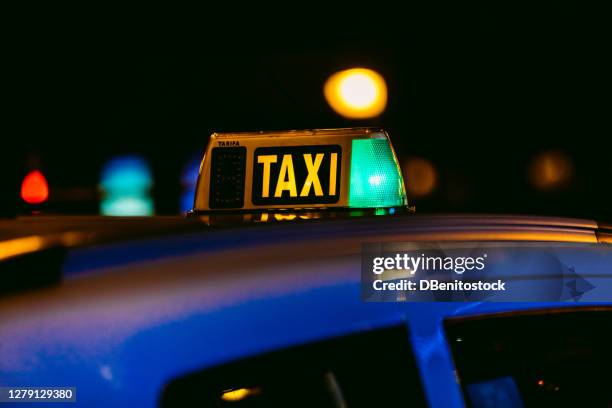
(357, 93)
(238, 394)
(20, 246)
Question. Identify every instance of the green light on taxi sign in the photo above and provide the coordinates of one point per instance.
(375, 179)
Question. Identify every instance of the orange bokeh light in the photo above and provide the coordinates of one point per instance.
(550, 170)
(420, 177)
(34, 188)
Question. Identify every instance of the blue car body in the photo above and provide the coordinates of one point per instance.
(131, 315)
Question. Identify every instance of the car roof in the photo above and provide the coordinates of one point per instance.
(105, 228)
(204, 296)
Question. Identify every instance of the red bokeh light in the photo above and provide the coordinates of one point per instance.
(34, 188)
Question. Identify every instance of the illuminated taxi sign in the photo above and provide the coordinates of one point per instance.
(331, 168)
(292, 175)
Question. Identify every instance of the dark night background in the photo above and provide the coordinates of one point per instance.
(479, 93)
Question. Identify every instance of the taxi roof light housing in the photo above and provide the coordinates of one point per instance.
(303, 170)
(376, 181)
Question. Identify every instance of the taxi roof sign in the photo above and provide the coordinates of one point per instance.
(353, 168)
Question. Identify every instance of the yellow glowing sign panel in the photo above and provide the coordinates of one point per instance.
(295, 175)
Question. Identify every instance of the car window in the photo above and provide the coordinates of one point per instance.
(555, 359)
(369, 369)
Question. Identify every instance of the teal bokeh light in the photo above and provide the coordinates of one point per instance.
(127, 206)
(126, 174)
(126, 182)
